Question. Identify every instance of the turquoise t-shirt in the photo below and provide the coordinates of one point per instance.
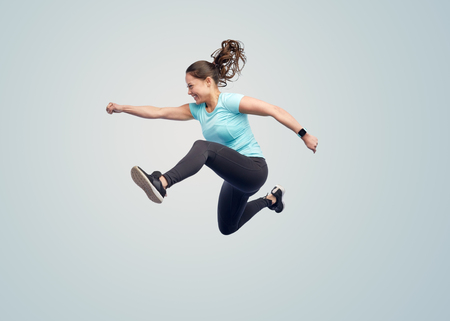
(226, 125)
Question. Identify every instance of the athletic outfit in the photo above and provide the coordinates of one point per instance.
(232, 152)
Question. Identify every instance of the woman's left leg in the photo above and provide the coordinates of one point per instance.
(234, 210)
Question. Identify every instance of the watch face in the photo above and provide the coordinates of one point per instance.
(302, 132)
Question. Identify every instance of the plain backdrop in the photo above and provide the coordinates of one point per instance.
(365, 232)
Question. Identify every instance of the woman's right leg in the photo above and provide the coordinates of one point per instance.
(247, 174)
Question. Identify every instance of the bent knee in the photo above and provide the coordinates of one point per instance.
(200, 142)
(200, 146)
(227, 230)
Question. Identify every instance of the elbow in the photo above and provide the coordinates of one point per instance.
(277, 112)
(158, 113)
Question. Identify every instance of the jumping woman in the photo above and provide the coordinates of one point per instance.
(229, 148)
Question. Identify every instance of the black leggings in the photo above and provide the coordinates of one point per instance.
(243, 177)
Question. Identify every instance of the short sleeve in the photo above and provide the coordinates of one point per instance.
(231, 102)
(194, 109)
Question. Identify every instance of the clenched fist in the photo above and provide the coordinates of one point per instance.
(114, 108)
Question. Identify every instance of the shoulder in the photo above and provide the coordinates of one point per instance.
(195, 109)
(231, 101)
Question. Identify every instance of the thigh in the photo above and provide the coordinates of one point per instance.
(240, 171)
(232, 203)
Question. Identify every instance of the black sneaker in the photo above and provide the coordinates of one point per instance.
(278, 191)
(151, 184)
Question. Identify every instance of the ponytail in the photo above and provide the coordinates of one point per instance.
(227, 60)
(225, 66)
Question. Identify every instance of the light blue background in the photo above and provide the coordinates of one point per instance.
(365, 233)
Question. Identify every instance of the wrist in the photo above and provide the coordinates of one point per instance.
(302, 133)
(125, 108)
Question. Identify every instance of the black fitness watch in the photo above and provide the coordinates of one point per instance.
(302, 132)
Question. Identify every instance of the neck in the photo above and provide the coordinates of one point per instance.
(213, 99)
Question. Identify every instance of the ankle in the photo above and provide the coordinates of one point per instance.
(163, 181)
(271, 198)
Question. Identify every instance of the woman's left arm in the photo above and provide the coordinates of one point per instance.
(258, 107)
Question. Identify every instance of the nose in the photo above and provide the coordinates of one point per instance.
(189, 91)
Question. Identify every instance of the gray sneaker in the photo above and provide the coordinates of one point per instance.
(151, 184)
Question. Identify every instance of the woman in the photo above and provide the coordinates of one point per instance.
(230, 148)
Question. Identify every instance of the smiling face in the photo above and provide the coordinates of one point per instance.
(199, 89)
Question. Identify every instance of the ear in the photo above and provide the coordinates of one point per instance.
(208, 81)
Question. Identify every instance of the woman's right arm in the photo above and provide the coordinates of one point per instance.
(151, 112)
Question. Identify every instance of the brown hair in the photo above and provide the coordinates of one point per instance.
(224, 66)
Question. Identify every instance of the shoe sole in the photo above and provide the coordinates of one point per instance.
(143, 182)
(282, 194)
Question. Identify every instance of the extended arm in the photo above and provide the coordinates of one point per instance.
(255, 106)
(151, 112)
